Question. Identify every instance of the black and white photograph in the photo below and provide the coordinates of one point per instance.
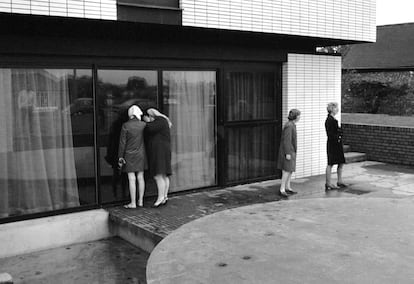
(206, 141)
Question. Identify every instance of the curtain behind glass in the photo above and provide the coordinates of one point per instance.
(189, 99)
(37, 171)
(251, 152)
(250, 96)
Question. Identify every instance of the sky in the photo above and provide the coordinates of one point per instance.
(395, 12)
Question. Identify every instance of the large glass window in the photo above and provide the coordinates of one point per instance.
(251, 124)
(189, 101)
(117, 90)
(250, 96)
(45, 145)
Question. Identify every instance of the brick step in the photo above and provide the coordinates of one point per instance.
(347, 148)
(354, 157)
(137, 230)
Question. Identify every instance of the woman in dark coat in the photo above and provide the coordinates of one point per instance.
(287, 152)
(334, 147)
(132, 156)
(159, 152)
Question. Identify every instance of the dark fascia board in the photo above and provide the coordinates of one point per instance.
(51, 26)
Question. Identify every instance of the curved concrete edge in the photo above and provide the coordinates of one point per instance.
(184, 254)
(51, 232)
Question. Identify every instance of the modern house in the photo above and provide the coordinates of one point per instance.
(225, 71)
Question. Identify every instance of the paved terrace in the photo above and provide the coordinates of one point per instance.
(125, 264)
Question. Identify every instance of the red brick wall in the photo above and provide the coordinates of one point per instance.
(381, 143)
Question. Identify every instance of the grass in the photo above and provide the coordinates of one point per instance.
(378, 119)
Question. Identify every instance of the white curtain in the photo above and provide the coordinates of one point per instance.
(189, 98)
(37, 165)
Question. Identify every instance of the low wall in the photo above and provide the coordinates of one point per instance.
(381, 143)
(51, 232)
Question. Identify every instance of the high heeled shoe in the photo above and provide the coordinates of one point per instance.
(164, 202)
(341, 185)
(283, 194)
(289, 191)
(329, 187)
(155, 205)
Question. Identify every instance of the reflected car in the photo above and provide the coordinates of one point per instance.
(80, 106)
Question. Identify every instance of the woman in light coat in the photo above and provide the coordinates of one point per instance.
(287, 152)
(131, 154)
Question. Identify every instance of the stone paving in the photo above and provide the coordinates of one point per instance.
(315, 241)
(102, 262)
(363, 234)
(367, 179)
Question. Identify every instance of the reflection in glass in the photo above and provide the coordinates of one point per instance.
(41, 166)
(117, 90)
(189, 101)
(250, 95)
(251, 152)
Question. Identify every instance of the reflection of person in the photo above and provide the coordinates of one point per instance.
(131, 154)
(159, 152)
(287, 152)
(334, 147)
(112, 150)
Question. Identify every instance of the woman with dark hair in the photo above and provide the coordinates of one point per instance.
(287, 152)
(132, 156)
(159, 152)
(334, 147)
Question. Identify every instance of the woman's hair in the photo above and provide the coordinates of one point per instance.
(293, 114)
(154, 112)
(134, 110)
(331, 106)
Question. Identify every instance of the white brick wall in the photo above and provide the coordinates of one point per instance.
(96, 9)
(341, 19)
(310, 82)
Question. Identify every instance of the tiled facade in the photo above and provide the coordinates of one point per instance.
(341, 19)
(93, 9)
(309, 83)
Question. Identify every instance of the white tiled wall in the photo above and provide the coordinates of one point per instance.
(342, 19)
(95, 9)
(310, 82)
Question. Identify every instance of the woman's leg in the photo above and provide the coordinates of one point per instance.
(328, 175)
(167, 187)
(141, 188)
(159, 180)
(288, 181)
(132, 190)
(285, 176)
(339, 173)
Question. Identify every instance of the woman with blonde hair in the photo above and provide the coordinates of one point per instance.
(132, 156)
(287, 152)
(159, 152)
(334, 147)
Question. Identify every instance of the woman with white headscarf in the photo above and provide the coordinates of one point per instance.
(131, 154)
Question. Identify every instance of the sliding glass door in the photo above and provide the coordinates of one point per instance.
(189, 101)
(117, 90)
(251, 122)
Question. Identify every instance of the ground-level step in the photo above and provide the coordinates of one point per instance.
(354, 157)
